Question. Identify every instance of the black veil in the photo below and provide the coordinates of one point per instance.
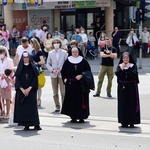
(21, 64)
(130, 58)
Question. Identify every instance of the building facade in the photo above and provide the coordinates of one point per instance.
(67, 15)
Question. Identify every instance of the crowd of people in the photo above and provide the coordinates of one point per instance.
(66, 62)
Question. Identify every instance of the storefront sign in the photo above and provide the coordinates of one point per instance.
(85, 4)
(35, 19)
(20, 19)
(64, 4)
(103, 3)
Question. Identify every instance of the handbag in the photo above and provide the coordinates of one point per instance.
(89, 80)
(41, 79)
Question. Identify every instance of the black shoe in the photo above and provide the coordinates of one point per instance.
(124, 126)
(96, 95)
(73, 121)
(109, 95)
(57, 110)
(131, 125)
(81, 121)
(37, 128)
(26, 128)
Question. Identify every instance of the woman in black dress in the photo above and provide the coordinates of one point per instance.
(128, 95)
(76, 101)
(26, 86)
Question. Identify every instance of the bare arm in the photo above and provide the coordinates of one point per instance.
(16, 58)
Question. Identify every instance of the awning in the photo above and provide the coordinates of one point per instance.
(125, 3)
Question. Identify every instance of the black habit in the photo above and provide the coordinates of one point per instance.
(76, 101)
(128, 95)
(26, 112)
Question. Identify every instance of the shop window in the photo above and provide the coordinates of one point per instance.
(70, 22)
(89, 19)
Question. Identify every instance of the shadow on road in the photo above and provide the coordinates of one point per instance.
(24, 133)
(135, 130)
(78, 126)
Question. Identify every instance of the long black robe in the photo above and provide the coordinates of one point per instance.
(76, 100)
(26, 112)
(128, 96)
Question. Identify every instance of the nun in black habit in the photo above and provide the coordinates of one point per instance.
(128, 94)
(26, 86)
(76, 100)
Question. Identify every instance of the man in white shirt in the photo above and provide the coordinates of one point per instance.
(25, 46)
(145, 36)
(38, 30)
(132, 42)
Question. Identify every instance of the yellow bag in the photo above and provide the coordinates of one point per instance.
(41, 80)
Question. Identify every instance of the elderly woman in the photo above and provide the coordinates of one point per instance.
(5, 63)
(26, 86)
(76, 101)
(128, 95)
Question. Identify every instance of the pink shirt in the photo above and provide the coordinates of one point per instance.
(5, 34)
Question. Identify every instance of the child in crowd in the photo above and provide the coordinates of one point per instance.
(6, 83)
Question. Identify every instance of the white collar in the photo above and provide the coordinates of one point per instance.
(131, 65)
(75, 60)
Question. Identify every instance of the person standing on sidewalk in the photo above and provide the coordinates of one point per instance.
(108, 54)
(55, 61)
(132, 42)
(116, 35)
(128, 95)
(145, 36)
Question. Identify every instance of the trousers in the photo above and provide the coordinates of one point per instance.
(105, 70)
(57, 83)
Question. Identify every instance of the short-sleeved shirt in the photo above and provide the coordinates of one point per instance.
(36, 56)
(20, 50)
(108, 61)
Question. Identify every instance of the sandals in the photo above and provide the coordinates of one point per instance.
(38, 102)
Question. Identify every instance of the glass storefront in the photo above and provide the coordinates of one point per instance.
(75, 18)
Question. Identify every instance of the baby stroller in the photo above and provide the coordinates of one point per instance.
(90, 51)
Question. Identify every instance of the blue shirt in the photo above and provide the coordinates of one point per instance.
(76, 37)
